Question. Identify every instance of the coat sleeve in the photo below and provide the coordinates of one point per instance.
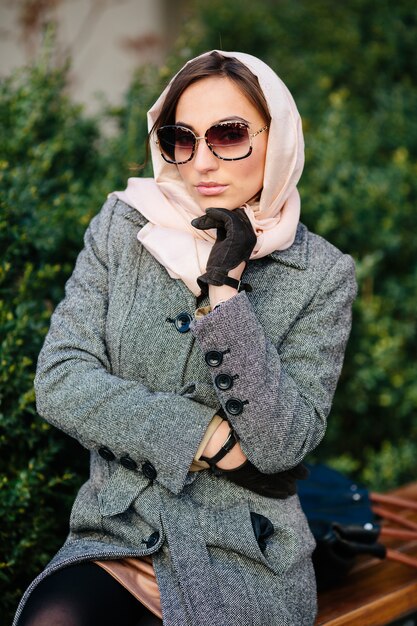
(281, 395)
(77, 392)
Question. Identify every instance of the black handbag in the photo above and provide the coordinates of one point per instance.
(346, 521)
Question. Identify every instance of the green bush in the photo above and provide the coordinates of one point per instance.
(50, 173)
(351, 67)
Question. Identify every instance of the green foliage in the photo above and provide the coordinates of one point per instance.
(125, 152)
(351, 67)
(49, 182)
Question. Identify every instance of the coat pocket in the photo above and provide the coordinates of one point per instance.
(119, 491)
(240, 530)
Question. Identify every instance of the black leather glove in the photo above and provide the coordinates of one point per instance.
(279, 485)
(234, 244)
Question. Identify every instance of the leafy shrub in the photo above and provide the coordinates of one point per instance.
(50, 174)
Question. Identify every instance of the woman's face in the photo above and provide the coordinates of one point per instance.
(209, 180)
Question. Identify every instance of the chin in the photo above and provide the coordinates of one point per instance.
(216, 203)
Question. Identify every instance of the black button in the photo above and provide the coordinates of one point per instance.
(106, 454)
(182, 322)
(128, 463)
(148, 470)
(223, 382)
(234, 406)
(152, 540)
(214, 358)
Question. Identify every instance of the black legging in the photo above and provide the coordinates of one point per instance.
(84, 595)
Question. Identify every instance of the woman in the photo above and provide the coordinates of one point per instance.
(196, 355)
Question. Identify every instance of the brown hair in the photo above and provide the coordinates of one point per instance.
(214, 64)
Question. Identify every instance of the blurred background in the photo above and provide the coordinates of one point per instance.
(105, 39)
(77, 78)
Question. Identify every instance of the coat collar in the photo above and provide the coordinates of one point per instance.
(297, 254)
(132, 214)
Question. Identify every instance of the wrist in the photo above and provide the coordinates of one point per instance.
(216, 440)
(233, 459)
(225, 292)
(227, 446)
(237, 271)
(220, 294)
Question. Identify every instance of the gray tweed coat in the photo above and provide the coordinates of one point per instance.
(116, 374)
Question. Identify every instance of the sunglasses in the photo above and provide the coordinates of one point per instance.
(230, 141)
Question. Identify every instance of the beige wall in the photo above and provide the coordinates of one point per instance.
(106, 39)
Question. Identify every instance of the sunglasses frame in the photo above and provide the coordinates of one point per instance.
(209, 145)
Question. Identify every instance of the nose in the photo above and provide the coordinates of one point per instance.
(204, 160)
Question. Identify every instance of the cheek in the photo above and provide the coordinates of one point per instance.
(183, 172)
(251, 173)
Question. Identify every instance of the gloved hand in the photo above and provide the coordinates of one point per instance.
(279, 485)
(234, 244)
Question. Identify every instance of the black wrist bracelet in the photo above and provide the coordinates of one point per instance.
(237, 284)
(230, 442)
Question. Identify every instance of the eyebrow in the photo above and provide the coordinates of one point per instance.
(233, 118)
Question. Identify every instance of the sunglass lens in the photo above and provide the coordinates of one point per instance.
(229, 141)
(177, 143)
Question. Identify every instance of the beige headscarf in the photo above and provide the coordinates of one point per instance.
(163, 200)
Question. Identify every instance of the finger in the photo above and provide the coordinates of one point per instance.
(230, 217)
(206, 222)
(223, 218)
(219, 214)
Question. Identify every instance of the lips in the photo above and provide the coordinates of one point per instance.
(210, 189)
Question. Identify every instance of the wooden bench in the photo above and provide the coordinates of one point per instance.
(375, 592)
